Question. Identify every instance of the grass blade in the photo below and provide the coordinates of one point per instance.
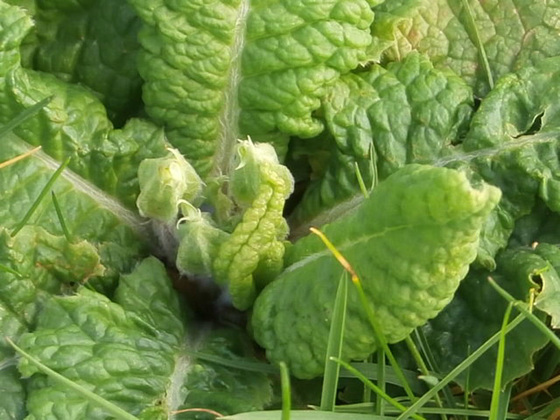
(108, 406)
(304, 415)
(249, 366)
(376, 389)
(286, 391)
(19, 157)
(42, 194)
(430, 362)
(371, 371)
(497, 402)
(7, 269)
(424, 369)
(24, 115)
(459, 369)
(380, 338)
(334, 346)
(523, 308)
(360, 179)
(379, 402)
(61, 217)
(478, 42)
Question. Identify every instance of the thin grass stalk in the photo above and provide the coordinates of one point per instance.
(459, 369)
(379, 401)
(60, 217)
(523, 308)
(379, 337)
(424, 370)
(334, 346)
(496, 403)
(376, 389)
(42, 194)
(286, 391)
(479, 44)
(24, 115)
(13, 160)
(10, 270)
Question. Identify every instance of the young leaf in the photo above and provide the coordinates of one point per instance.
(253, 254)
(411, 243)
(199, 242)
(164, 182)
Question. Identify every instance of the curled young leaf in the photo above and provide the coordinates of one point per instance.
(163, 183)
(199, 240)
(254, 251)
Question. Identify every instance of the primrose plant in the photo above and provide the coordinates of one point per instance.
(203, 117)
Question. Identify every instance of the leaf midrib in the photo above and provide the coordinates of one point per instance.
(229, 118)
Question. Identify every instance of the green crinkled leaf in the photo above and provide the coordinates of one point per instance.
(513, 33)
(217, 71)
(91, 43)
(88, 212)
(199, 242)
(39, 264)
(541, 225)
(520, 121)
(477, 312)
(12, 393)
(130, 351)
(220, 387)
(109, 158)
(34, 266)
(382, 119)
(253, 254)
(411, 243)
(105, 237)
